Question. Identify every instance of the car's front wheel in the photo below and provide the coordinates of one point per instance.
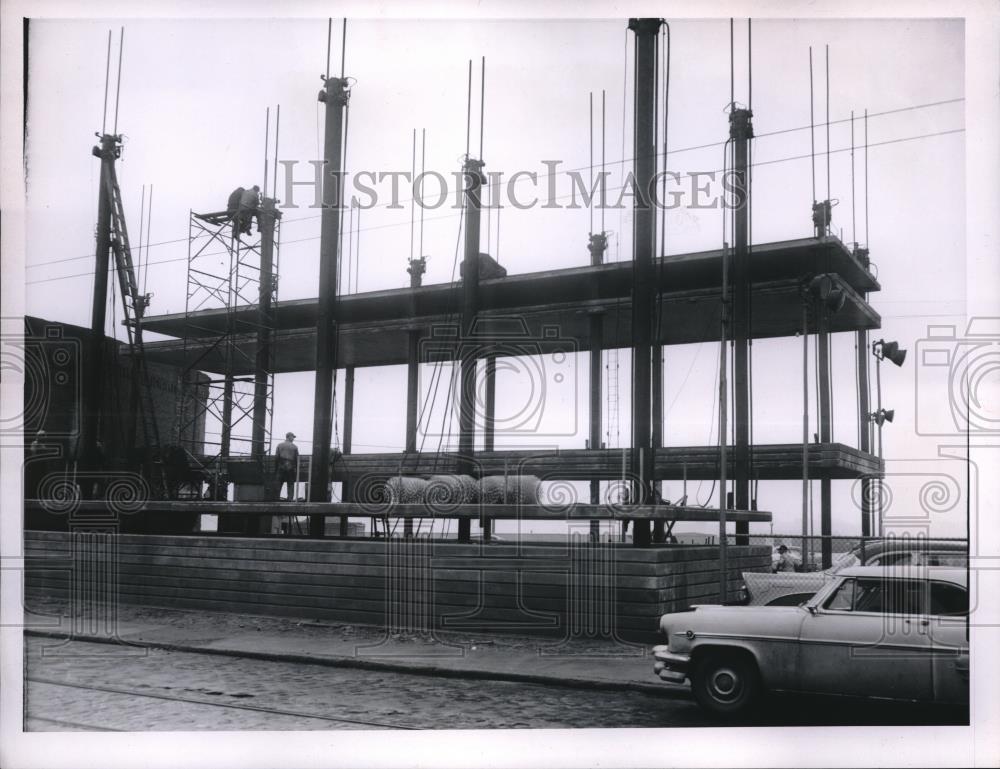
(725, 683)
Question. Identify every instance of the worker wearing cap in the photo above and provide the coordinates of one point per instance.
(287, 455)
(249, 208)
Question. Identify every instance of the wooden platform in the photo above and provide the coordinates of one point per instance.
(417, 586)
(548, 311)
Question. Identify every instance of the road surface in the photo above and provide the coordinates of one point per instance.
(85, 686)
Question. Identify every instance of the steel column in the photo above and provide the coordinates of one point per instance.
(643, 285)
(596, 345)
(826, 545)
(93, 393)
(657, 432)
(740, 133)
(334, 95)
(489, 428)
(265, 327)
(347, 490)
(864, 416)
(468, 347)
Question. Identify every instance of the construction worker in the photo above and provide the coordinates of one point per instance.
(233, 209)
(249, 208)
(287, 455)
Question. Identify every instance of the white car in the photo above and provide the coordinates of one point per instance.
(887, 632)
(789, 588)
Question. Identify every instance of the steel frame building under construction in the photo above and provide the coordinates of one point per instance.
(233, 324)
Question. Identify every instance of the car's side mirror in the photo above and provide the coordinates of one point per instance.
(812, 608)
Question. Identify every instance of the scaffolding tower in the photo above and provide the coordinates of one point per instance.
(229, 270)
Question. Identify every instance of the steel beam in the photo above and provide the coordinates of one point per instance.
(267, 221)
(474, 180)
(643, 284)
(864, 416)
(335, 95)
(596, 397)
(740, 133)
(107, 151)
(826, 545)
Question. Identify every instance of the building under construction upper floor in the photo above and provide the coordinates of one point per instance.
(551, 308)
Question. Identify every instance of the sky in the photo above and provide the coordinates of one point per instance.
(192, 108)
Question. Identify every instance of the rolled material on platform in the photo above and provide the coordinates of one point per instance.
(509, 489)
(451, 490)
(403, 490)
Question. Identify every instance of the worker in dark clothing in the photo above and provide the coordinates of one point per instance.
(287, 455)
(233, 209)
(233, 204)
(249, 208)
(243, 205)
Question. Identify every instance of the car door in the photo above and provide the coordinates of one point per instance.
(948, 614)
(868, 638)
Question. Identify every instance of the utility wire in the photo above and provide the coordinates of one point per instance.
(584, 168)
(775, 161)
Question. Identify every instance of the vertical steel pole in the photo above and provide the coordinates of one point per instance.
(347, 493)
(106, 151)
(879, 527)
(643, 287)
(489, 427)
(596, 345)
(826, 546)
(805, 430)
(489, 434)
(656, 437)
(265, 328)
(468, 348)
(741, 132)
(334, 95)
(597, 245)
(864, 437)
(416, 270)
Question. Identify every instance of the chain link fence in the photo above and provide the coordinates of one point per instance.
(800, 567)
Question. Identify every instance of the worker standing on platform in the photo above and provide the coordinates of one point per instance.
(233, 208)
(249, 208)
(287, 455)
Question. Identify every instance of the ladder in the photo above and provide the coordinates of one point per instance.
(134, 306)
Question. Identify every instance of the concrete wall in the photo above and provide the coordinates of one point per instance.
(417, 586)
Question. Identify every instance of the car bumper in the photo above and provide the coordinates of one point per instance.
(672, 668)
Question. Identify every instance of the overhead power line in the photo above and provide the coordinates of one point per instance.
(448, 216)
(678, 151)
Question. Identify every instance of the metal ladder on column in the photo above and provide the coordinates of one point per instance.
(134, 306)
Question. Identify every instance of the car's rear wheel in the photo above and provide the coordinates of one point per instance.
(725, 683)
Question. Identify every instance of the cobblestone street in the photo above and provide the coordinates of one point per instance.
(84, 686)
(307, 696)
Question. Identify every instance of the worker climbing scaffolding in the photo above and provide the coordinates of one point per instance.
(243, 205)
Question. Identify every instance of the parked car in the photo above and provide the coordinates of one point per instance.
(793, 588)
(886, 632)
